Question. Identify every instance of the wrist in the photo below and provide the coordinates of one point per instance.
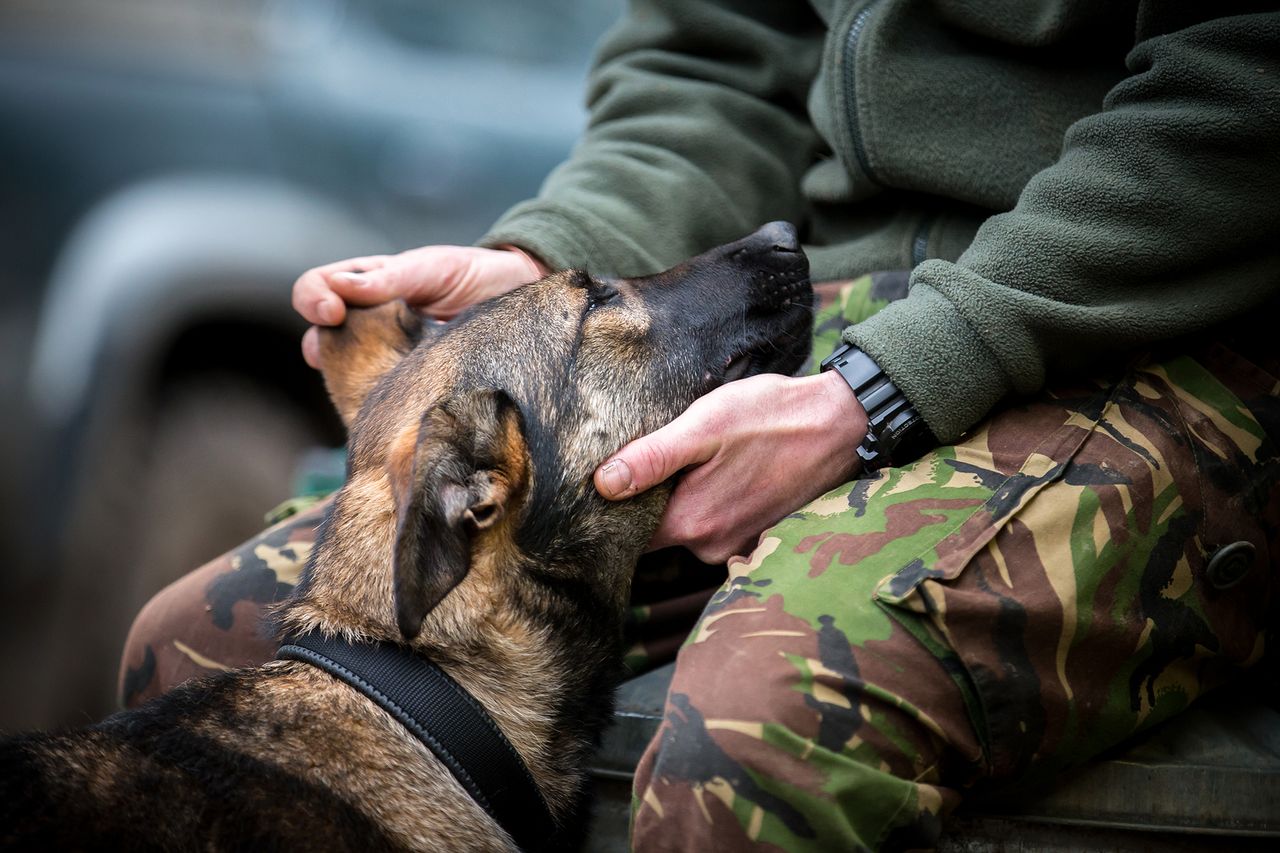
(837, 423)
(844, 412)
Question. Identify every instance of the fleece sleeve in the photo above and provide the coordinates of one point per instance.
(1159, 219)
(697, 134)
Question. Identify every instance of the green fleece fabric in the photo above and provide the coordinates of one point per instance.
(1070, 179)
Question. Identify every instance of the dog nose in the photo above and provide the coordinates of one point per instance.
(773, 248)
(777, 237)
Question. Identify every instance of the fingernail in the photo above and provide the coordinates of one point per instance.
(328, 311)
(349, 277)
(617, 479)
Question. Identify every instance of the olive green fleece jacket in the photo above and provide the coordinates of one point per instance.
(1068, 179)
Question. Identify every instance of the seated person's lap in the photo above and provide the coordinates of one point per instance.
(1000, 609)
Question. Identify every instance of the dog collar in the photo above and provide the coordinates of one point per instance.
(446, 718)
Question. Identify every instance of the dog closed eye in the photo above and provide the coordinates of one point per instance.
(601, 295)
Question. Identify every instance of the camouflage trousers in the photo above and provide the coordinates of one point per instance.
(211, 619)
(1082, 565)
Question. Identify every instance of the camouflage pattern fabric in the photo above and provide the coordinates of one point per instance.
(211, 619)
(1079, 568)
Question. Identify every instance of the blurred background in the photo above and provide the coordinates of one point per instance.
(167, 169)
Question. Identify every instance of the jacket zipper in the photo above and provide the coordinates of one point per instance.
(920, 243)
(850, 60)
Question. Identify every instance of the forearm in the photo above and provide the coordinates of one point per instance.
(697, 134)
(1158, 220)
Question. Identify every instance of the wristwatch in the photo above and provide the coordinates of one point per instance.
(896, 433)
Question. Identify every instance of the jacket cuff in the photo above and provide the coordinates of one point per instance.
(569, 241)
(936, 358)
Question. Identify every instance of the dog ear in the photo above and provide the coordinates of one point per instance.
(470, 468)
(355, 355)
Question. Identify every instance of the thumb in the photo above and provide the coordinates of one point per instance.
(651, 459)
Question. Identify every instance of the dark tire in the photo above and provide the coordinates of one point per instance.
(223, 453)
(163, 498)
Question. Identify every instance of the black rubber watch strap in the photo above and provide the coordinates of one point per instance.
(895, 431)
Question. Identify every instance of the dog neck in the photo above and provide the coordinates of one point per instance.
(445, 719)
(545, 672)
(543, 666)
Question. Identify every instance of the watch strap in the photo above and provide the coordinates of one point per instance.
(896, 432)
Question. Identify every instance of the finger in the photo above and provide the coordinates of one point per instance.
(316, 301)
(743, 550)
(421, 277)
(713, 545)
(313, 297)
(367, 288)
(360, 264)
(662, 537)
(712, 550)
(651, 459)
(311, 347)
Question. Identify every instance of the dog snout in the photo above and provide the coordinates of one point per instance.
(778, 237)
(763, 272)
(772, 244)
(773, 260)
(776, 266)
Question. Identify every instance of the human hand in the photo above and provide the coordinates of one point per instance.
(763, 447)
(440, 280)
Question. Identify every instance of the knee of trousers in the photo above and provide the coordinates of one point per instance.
(835, 732)
(157, 651)
(211, 619)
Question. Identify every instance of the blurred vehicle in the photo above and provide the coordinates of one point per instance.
(167, 168)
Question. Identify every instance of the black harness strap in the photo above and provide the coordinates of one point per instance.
(447, 719)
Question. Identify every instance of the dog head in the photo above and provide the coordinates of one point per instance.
(472, 443)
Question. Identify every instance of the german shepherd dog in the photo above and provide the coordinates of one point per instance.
(468, 530)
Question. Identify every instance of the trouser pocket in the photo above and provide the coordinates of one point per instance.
(1087, 598)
